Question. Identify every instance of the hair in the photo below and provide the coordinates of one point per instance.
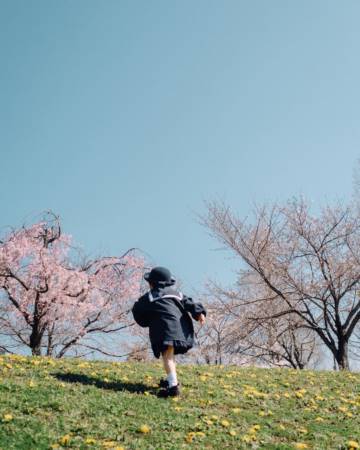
(154, 284)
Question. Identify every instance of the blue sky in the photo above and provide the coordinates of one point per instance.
(123, 116)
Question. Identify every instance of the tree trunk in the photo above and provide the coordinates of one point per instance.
(342, 356)
(36, 333)
(36, 351)
(49, 349)
(35, 342)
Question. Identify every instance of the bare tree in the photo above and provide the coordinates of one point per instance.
(281, 342)
(274, 342)
(212, 338)
(298, 265)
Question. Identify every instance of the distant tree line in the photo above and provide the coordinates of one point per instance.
(297, 290)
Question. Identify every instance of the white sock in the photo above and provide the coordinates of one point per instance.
(172, 379)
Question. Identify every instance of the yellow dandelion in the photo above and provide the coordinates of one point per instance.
(254, 429)
(352, 445)
(65, 440)
(261, 413)
(225, 423)
(7, 417)
(302, 430)
(200, 434)
(90, 441)
(301, 445)
(236, 410)
(282, 427)
(232, 433)
(32, 384)
(248, 438)
(109, 444)
(83, 365)
(144, 429)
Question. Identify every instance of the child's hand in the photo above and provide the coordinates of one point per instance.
(201, 319)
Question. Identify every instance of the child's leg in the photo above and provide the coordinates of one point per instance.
(170, 365)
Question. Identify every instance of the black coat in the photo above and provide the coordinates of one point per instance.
(166, 312)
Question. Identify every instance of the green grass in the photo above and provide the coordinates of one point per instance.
(71, 403)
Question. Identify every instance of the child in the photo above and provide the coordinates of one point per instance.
(165, 311)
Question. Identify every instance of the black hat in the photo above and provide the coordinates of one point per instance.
(160, 276)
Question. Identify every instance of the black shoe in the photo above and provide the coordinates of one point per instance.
(173, 391)
(163, 383)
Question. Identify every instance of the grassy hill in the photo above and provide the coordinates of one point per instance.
(47, 404)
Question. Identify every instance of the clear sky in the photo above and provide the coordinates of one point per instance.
(123, 116)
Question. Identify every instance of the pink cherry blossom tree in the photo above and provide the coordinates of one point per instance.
(52, 301)
(298, 265)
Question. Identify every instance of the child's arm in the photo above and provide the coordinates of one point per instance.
(140, 314)
(197, 310)
(201, 319)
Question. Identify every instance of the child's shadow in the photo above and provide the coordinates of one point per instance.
(138, 388)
